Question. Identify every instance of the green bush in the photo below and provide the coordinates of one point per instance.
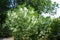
(26, 25)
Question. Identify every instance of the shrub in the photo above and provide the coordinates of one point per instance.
(26, 24)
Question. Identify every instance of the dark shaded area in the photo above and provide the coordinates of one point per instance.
(20, 1)
(55, 32)
(3, 16)
(5, 32)
(3, 9)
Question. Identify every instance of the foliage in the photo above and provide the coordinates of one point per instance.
(3, 4)
(41, 6)
(55, 32)
(46, 6)
(26, 25)
(26, 21)
(5, 31)
(22, 21)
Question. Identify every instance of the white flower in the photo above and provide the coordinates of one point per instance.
(12, 28)
(21, 10)
(25, 14)
(34, 22)
(25, 9)
(14, 15)
(41, 32)
(15, 30)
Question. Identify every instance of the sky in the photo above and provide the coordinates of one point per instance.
(58, 10)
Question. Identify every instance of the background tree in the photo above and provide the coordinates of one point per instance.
(42, 6)
(55, 32)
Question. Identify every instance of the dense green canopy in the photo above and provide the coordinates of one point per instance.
(41, 6)
(26, 21)
(45, 6)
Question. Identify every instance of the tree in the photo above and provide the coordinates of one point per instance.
(55, 32)
(26, 25)
(3, 4)
(27, 22)
(42, 6)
